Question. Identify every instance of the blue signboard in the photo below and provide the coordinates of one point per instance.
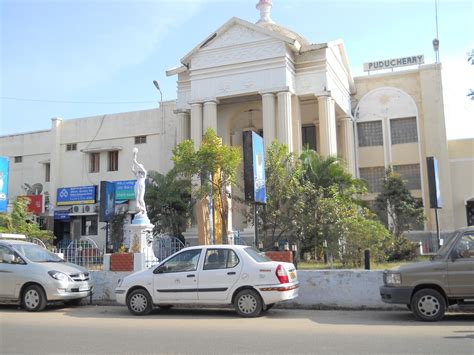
(107, 201)
(254, 168)
(76, 195)
(60, 215)
(3, 184)
(125, 190)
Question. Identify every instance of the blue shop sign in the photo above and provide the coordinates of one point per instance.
(125, 190)
(62, 216)
(76, 195)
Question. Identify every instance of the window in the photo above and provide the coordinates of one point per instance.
(410, 174)
(308, 137)
(184, 261)
(89, 225)
(140, 139)
(403, 130)
(94, 163)
(47, 172)
(220, 259)
(113, 160)
(70, 147)
(465, 247)
(370, 133)
(18, 159)
(374, 177)
(256, 255)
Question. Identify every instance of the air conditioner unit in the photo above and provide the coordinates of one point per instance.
(89, 208)
(77, 209)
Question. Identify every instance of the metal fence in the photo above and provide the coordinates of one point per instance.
(163, 246)
(83, 252)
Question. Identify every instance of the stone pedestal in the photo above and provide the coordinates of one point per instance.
(138, 238)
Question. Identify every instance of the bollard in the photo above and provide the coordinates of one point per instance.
(367, 259)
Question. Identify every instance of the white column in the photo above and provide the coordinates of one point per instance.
(210, 116)
(285, 128)
(327, 126)
(54, 168)
(182, 127)
(297, 140)
(268, 113)
(348, 152)
(196, 124)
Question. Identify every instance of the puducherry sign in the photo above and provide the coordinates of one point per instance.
(393, 63)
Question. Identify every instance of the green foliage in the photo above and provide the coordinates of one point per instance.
(20, 221)
(214, 165)
(169, 203)
(401, 249)
(396, 201)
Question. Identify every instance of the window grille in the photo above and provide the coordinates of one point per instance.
(140, 139)
(18, 159)
(308, 137)
(47, 172)
(94, 160)
(70, 147)
(410, 174)
(370, 133)
(374, 177)
(403, 130)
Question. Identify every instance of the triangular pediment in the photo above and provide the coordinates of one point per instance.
(237, 31)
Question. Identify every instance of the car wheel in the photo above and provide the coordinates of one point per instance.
(428, 305)
(248, 303)
(139, 302)
(34, 298)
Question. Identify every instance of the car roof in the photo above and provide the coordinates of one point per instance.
(15, 242)
(218, 246)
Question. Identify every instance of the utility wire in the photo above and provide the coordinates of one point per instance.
(76, 102)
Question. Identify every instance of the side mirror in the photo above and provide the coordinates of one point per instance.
(454, 255)
(160, 269)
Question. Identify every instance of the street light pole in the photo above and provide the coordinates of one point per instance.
(157, 85)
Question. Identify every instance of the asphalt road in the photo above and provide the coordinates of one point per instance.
(112, 330)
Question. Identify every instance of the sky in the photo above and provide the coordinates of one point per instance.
(80, 58)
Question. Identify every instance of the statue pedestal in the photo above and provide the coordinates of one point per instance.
(138, 238)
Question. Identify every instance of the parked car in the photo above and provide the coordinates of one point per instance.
(33, 276)
(428, 288)
(211, 275)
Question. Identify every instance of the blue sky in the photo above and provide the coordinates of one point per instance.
(110, 51)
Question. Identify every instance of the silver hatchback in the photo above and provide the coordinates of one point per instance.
(32, 276)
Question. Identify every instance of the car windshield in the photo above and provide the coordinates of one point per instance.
(36, 253)
(443, 251)
(256, 255)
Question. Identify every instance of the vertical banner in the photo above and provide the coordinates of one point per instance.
(254, 168)
(107, 201)
(433, 183)
(4, 184)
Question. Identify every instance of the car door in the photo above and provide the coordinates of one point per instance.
(11, 267)
(461, 267)
(176, 278)
(220, 271)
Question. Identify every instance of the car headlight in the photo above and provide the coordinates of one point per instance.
(60, 276)
(393, 279)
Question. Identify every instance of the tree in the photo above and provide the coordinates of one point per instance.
(395, 201)
(168, 198)
(215, 165)
(20, 221)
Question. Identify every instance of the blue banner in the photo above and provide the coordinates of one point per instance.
(76, 195)
(125, 190)
(3, 184)
(107, 201)
(61, 215)
(259, 169)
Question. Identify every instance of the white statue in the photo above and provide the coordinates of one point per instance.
(140, 173)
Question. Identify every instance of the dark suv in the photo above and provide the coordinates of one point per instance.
(428, 288)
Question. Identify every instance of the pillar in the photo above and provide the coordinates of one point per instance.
(54, 168)
(285, 128)
(196, 124)
(348, 149)
(327, 126)
(268, 113)
(210, 116)
(182, 127)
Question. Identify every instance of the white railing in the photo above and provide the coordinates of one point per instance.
(83, 252)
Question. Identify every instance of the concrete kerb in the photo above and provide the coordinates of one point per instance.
(319, 289)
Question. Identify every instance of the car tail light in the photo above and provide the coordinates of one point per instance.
(281, 274)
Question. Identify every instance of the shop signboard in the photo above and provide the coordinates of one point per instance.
(3, 184)
(125, 190)
(79, 195)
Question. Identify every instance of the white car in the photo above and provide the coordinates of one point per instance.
(211, 275)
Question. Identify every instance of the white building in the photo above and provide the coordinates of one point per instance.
(261, 77)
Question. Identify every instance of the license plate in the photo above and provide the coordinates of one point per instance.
(292, 275)
(83, 288)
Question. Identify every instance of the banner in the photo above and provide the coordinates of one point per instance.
(35, 205)
(433, 183)
(3, 184)
(125, 190)
(254, 168)
(107, 201)
(79, 195)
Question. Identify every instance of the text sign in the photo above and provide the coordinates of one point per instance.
(125, 190)
(60, 215)
(3, 184)
(394, 63)
(254, 168)
(107, 201)
(78, 195)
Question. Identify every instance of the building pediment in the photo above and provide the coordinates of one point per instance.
(237, 31)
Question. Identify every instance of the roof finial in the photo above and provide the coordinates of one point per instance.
(265, 7)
